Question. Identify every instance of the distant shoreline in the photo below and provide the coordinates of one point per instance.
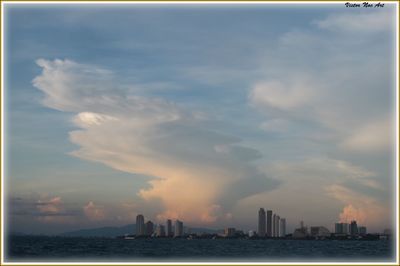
(342, 238)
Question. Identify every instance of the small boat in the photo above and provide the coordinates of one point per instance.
(129, 237)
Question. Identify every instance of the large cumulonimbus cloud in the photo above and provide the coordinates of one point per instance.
(196, 173)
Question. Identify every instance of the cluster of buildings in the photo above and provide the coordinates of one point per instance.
(270, 224)
(149, 229)
(315, 232)
(341, 230)
(350, 229)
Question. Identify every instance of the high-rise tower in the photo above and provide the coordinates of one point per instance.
(178, 229)
(282, 227)
(140, 230)
(169, 228)
(273, 224)
(269, 223)
(353, 228)
(261, 222)
(149, 228)
(276, 224)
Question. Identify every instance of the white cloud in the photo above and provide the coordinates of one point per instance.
(322, 170)
(58, 82)
(376, 136)
(318, 90)
(149, 136)
(330, 89)
(275, 94)
(87, 119)
(322, 191)
(358, 22)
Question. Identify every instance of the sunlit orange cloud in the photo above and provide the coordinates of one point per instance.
(188, 188)
(189, 194)
(351, 213)
(187, 191)
(364, 209)
(52, 210)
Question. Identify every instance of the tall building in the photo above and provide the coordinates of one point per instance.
(277, 220)
(261, 222)
(178, 229)
(345, 227)
(282, 228)
(273, 225)
(169, 232)
(269, 223)
(140, 230)
(160, 230)
(341, 228)
(353, 228)
(149, 228)
(338, 228)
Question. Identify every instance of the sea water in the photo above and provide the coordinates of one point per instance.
(60, 249)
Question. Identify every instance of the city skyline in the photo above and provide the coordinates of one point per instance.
(271, 225)
(277, 225)
(198, 113)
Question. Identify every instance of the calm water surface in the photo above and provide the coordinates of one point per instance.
(38, 248)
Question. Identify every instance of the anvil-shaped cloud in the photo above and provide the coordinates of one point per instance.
(196, 173)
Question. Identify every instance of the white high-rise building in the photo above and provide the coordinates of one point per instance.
(140, 229)
(277, 220)
(178, 229)
(273, 224)
(282, 228)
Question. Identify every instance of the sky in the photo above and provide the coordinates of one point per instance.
(203, 113)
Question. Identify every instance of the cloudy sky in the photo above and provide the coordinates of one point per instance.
(199, 112)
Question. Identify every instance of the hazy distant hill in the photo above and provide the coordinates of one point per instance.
(110, 231)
